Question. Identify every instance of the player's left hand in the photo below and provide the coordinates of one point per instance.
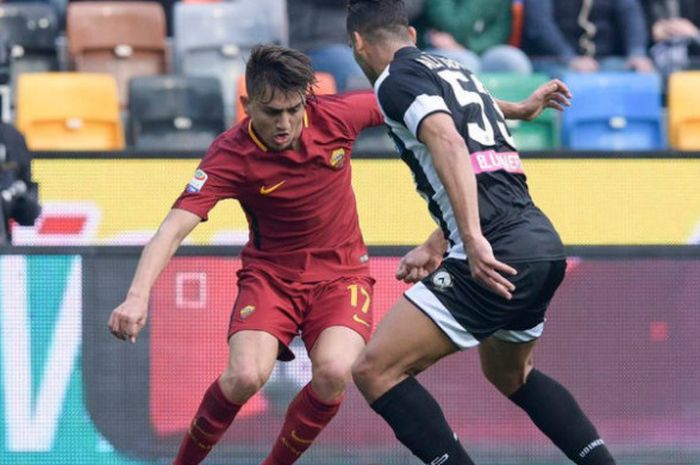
(487, 270)
(554, 94)
(417, 264)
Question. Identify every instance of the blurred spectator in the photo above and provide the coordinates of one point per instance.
(586, 35)
(675, 33)
(474, 33)
(18, 194)
(317, 28)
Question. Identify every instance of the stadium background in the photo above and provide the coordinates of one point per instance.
(622, 333)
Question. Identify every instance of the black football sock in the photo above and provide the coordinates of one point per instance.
(555, 412)
(418, 422)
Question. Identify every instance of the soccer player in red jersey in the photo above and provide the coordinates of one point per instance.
(305, 266)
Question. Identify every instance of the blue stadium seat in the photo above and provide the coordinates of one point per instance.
(614, 111)
(214, 39)
(175, 112)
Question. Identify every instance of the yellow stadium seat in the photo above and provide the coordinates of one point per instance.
(69, 111)
(325, 85)
(684, 110)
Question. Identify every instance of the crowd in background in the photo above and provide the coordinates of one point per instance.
(521, 36)
(517, 37)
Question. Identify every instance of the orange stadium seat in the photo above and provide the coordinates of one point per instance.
(69, 111)
(325, 85)
(124, 39)
(684, 110)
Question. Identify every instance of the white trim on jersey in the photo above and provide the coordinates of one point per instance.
(526, 335)
(426, 301)
(424, 159)
(422, 106)
(384, 74)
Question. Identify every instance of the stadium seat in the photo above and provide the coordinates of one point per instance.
(614, 111)
(30, 30)
(124, 39)
(175, 112)
(540, 134)
(215, 39)
(325, 85)
(684, 110)
(69, 111)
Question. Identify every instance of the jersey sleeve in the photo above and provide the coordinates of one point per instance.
(409, 94)
(351, 112)
(360, 110)
(210, 183)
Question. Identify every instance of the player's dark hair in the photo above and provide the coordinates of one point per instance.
(375, 19)
(274, 68)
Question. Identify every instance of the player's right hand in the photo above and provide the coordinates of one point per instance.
(487, 270)
(417, 264)
(128, 319)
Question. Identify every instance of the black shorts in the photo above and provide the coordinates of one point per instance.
(467, 312)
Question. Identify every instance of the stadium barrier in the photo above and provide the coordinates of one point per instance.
(592, 198)
(621, 334)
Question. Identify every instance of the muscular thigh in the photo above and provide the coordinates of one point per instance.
(406, 342)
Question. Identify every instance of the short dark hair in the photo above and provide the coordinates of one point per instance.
(375, 18)
(273, 68)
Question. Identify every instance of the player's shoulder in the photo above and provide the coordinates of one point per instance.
(327, 105)
(408, 63)
(330, 113)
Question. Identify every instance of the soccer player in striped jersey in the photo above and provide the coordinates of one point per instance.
(486, 276)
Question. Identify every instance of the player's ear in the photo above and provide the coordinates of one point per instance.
(245, 101)
(414, 35)
(358, 41)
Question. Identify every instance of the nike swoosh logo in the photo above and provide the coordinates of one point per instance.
(357, 319)
(267, 190)
(300, 440)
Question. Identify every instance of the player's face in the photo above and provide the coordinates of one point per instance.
(278, 122)
(359, 51)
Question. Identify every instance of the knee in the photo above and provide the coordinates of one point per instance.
(242, 382)
(364, 372)
(507, 381)
(329, 379)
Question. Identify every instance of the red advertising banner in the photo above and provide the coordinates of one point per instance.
(621, 334)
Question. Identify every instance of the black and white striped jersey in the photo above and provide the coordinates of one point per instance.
(416, 85)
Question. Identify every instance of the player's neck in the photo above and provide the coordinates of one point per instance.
(384, 54)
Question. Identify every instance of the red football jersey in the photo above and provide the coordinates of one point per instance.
(301, 210)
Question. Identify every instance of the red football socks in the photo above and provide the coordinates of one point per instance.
(306, 416)
(213, 417)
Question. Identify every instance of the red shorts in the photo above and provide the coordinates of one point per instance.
(285, 309)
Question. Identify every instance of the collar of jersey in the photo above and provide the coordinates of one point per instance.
(258, 142)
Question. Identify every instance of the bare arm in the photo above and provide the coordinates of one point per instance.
(553, 94)
(127, 320)
(422, 260)
(451, 159)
